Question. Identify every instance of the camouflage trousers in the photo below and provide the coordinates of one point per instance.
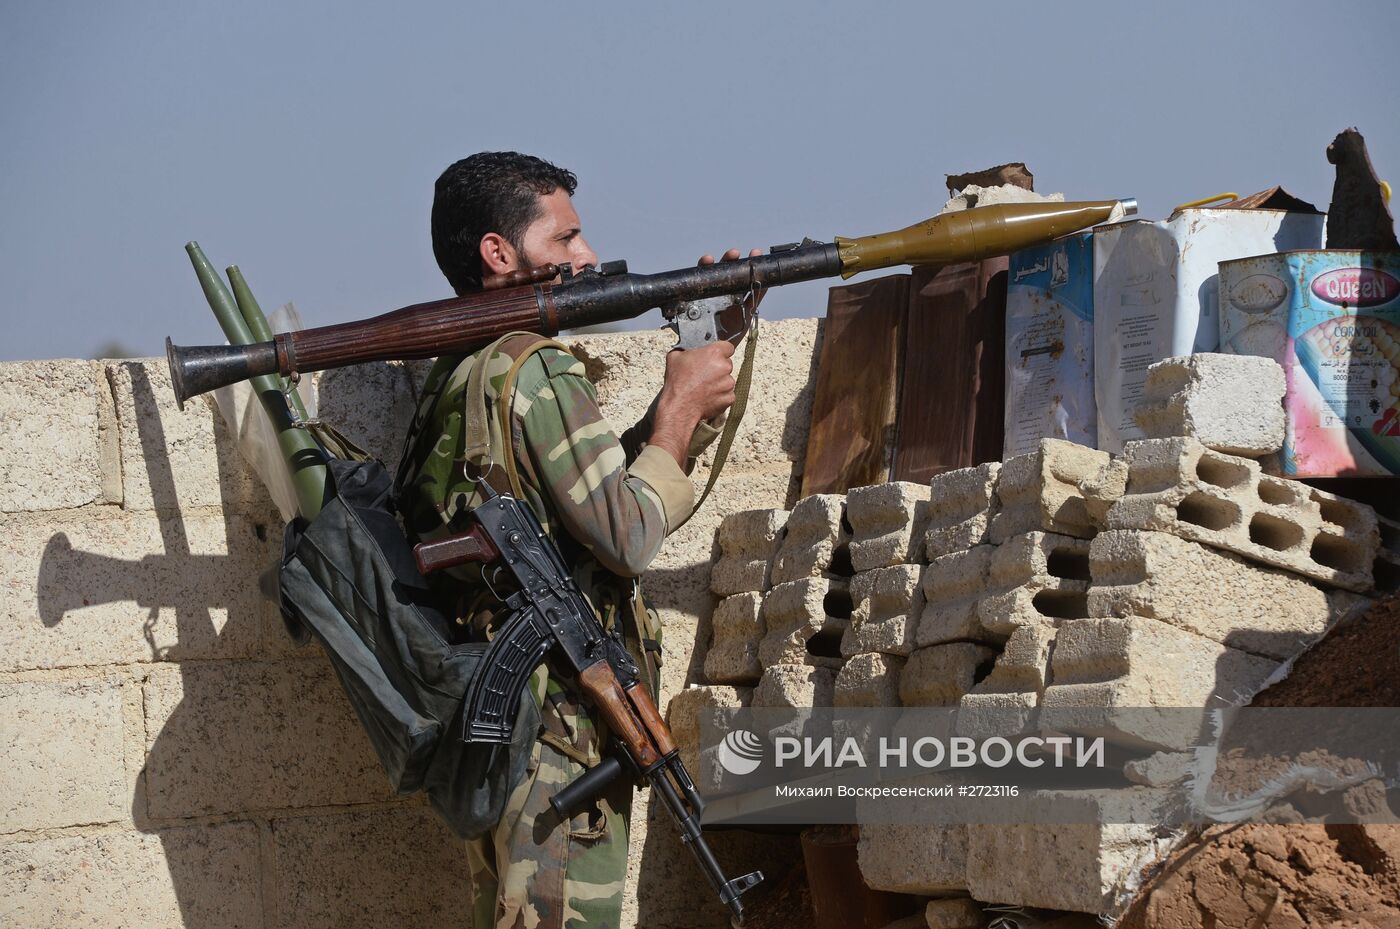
(534, 871)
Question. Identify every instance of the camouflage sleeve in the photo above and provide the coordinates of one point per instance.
(636, 437)
(619, 511)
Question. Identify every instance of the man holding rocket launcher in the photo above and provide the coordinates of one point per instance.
(509, 416)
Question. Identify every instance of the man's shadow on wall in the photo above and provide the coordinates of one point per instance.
(257, 729)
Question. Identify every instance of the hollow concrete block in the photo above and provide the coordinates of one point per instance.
(953, 586)
(889, 522)
(793, 685)
(738, 629)
(816, 540)
(1035, 577)
(888, 604)
(747, 542)
(687, 708)
(961, 504)
(1081, 866)
(1213, 593)
(913, 858)
(1231, 403)
(1179, 486)
(1101, 666)
(1040, 491)
(804, 621)
(868, 680)
(941, 674)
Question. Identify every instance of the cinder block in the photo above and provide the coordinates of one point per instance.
(816, 542)
(888, 605)
(795, 685)
(51, 456)
(1081, 865)
(193, 876)
(87, 588)
(173, 460)
(372, 404)
(397, 867)
(738, 626)
(1103, 489)
(1212, 593)
(1180, 486)
(961, 503)
(953, 585)
(942, 674)
(1231, 403)
(245, 736)
(1040, 491)
(889, 521)
(1005, 697)
(62, 745)
(1032, 578)
(688, 707)
(953, 913)
(747, 542)
(913, 858)
(1100, 665)
(804, 621)
(871, 679)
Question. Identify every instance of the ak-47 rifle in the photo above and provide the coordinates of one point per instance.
(549, 615)
(531, 301)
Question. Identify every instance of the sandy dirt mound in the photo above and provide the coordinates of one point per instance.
(1296, 876)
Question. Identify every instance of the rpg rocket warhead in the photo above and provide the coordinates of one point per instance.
(969, 235)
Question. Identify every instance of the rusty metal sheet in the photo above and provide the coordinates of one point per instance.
(953, 382)
(853, 411)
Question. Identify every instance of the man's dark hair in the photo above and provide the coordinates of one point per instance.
(488, 192)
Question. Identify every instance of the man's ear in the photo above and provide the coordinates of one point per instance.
(497, 255)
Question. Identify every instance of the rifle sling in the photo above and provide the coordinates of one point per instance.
(731, 425)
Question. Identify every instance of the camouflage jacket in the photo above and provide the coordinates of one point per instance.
(607, 500)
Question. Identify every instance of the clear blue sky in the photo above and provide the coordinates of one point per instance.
(300, 141)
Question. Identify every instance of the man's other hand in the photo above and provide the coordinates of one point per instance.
(733, 255)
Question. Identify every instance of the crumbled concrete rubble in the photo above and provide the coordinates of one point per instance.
(1064, 585)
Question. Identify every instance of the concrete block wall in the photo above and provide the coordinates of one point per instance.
(169, 758)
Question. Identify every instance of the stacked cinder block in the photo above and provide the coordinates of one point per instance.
(747, 541)
(889, 522)
(808, 608)
(816, 540)
(1231, 403)
(804, 621)
(1179, 486)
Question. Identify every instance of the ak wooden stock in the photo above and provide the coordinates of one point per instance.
(647, 712)
(601, 684)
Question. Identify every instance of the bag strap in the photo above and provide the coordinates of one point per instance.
(506, 400)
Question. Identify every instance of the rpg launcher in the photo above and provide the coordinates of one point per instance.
(550, 617)
(552, 298)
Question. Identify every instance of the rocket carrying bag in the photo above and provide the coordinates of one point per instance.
(349, 578)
